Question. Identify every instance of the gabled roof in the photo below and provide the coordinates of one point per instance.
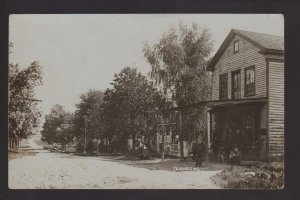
(265, 42)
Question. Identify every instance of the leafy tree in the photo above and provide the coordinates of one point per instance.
(129, 106)
(178, 63)
(58, 126)
(178, 66)
(24, 115)
(89, 109)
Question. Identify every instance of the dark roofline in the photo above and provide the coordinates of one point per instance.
(228, 39)
(215, 103)
(272, 51)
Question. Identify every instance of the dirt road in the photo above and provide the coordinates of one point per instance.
(62, 171)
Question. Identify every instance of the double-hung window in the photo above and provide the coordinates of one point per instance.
(236, 46)
(223, 86)
(250, 81)
(236, 84)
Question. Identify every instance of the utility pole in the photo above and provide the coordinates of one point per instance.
(163, 124)
(84, 147)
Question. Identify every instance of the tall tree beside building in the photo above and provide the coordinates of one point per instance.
(178, 67)
(178, 63)
(24, 115)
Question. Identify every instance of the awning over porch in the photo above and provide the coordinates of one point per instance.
(235, 102)
(219, 103)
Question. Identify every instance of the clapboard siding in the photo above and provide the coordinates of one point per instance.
(276, 108)
(248, 55)
(263, 117)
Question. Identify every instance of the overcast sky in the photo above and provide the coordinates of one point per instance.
(81, 52)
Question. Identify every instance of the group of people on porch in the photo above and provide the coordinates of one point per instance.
(229, 152)
(228, 147)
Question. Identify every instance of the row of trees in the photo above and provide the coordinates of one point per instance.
(24, 115)
(129, 109)
(125, 111)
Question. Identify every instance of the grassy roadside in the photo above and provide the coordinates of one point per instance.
(13, 154)
(25, 150)
(264, 176)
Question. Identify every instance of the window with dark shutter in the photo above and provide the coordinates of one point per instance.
(250, 81)
(223, 84)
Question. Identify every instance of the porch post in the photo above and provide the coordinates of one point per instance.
(157, 141)
(163, 138)
(207, 136)
(180, 135)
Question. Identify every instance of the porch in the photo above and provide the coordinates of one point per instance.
(241, 124)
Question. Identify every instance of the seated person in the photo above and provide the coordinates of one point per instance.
(235, 156)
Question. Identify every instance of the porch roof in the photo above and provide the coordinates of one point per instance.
(219, 103)
(233, 102)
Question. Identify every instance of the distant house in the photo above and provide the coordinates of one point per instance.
(247, 102)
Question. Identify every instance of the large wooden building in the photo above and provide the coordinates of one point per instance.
(247, 101)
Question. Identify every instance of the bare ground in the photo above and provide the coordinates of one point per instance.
(44, 169)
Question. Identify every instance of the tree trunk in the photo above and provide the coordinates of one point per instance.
(148, 144)
(14, 144)
(133, 142)
(98, 146)
(115, 148)
(102, 145)
(114, 144)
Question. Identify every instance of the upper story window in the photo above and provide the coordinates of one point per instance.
(236, 84)
(236, 46)
(250, 81)
(223, 84)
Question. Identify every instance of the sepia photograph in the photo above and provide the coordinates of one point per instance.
(146, 101)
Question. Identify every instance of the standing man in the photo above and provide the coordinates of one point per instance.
(194, 148)
(200, 148)
(229, 141)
